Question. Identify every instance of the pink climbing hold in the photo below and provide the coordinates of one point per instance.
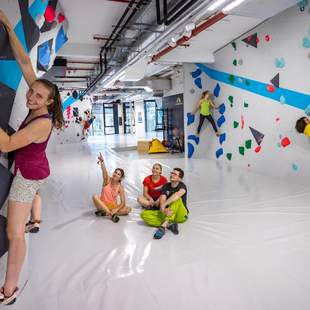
(267, 38)
(242, 121)
(49, 14)
(257, 149)
(277, 119)
(60, 18)
(285, 142)
(271, 88)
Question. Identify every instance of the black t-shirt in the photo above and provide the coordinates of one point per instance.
(168, 190)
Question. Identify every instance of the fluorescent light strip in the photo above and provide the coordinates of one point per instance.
(232, 5)
(216, 4)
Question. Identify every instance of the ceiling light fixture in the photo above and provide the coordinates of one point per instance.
(232, 5)
(188, 30)
(172, 42)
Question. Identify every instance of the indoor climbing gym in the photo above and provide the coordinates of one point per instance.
(154, 154)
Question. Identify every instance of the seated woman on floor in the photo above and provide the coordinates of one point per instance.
(152, 187)
(112, 188)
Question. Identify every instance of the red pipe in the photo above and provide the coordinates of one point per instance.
(208, 23)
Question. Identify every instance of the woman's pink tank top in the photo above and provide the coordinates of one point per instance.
(109, 195)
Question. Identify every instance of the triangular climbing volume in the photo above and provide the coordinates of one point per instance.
(258, 136)
(251, 40)
(275, 81)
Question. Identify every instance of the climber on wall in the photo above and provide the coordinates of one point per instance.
(204, 105)
(31, 164)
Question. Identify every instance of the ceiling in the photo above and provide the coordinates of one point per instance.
(142, 36)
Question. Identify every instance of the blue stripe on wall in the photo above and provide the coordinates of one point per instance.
(70, 100)
(10, 73)
(292, 98)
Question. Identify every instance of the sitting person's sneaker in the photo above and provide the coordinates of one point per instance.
(174, 228)
(159, 233)
(32, 226)
(100, 213)
(114, 218)
(8, 300)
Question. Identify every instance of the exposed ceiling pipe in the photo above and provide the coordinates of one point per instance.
(83, 62)
(208, 23)
(113, 38)
(194, 15)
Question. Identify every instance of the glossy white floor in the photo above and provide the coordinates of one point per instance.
(245, 246)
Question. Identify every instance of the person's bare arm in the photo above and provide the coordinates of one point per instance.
(173, 198)
(104, 170)
(19, 52)
(33, 132)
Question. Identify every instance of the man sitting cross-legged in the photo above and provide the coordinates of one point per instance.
(172, 203)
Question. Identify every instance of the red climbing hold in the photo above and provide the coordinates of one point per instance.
(257, 149)
(49, 14)
(242, 121)
(285, 142)
(271, 88)
(60, 18)
(267, 38)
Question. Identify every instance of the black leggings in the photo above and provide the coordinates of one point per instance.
(209, 118)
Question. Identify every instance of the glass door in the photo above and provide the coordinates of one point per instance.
(150, 115)
(129, 116)
(110, 119)
(97, 128)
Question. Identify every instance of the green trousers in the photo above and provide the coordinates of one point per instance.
(156, 218)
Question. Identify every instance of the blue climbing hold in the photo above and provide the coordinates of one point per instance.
(198, 83)
(44, 55)
(222, 138)
(222, 108)
(194, 138)
(217, 89)
(190, 118)
(221, 121)
(306, 42)
(196, 73)
(191, 150)
(295, 167)
(279, 62)
(61, 39)
(219, 153)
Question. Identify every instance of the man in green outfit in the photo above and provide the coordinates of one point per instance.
(172, 203)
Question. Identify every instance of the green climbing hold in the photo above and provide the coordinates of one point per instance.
(247, 83)
(229, 156)
(231, 78)
(231, 99)
(236, 124)
(241, 150)
(234, 45)
(248, 144)
(246, 105)
(231, 105)
(235, 62)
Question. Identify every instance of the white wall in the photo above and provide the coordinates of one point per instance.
(177, 86)
(273, 118)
